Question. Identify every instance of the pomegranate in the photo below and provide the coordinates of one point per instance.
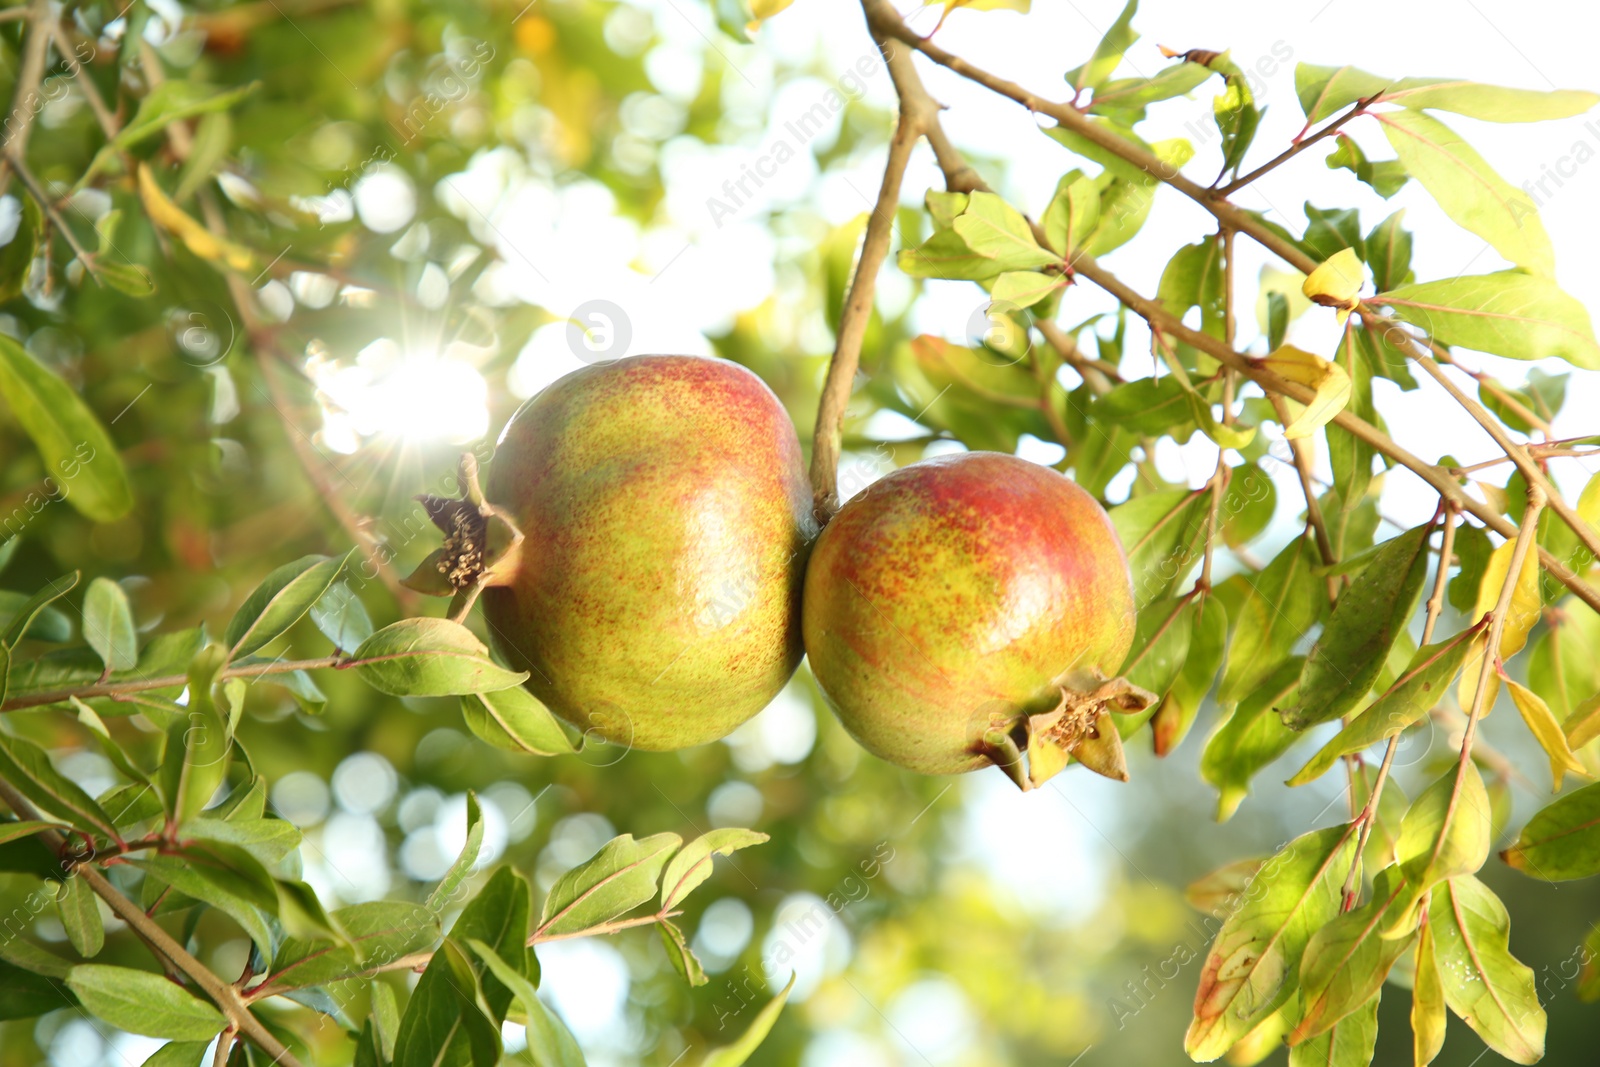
(655, 518)
(968, 608)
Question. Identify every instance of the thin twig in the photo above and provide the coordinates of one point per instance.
(1358, 108)
(139, 685)
(25, 102)
(915, 109)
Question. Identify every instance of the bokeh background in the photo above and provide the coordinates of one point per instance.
(448, 187)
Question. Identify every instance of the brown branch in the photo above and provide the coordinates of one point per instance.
(25, 102)
(916, 109)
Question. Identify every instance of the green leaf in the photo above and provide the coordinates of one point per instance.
(736, 1054)
(1561, 667)
(995, 229)
(1347, 960)
(1413, 695)
(342, 617)
(1248, 505)
(376, 934)
(1370, 614)
(1170, 721)
(80, 916)
(1386, 176)
(1349, 1043)
(1330, 232)
(444, 1024)
(1472, 553)
(1235, 112)
(213, 138)
(245, 896)
(1161, 532)
(946, 255)
(25, 617)
(143, 1003)
(1194, 277)
(48, 624)
(1561, 842)
(16, 831)
(498, 916)
(1468, 189)
(280, 601)
(1443, 836)
(25, 994)
(166, 103)
(29, 771)
(1160, 643)
(621, 876)
(1283, 603)
(1428, 1018)
(692, 865)
(682, 957)
(430, 657)
(1251, 738)
(199, 745)
(1073, 214)
(76, 449)
(1349, 456)
(1108, 53)
(1544, 395)
(1253, 966)
(550, 1043)
(1323, 91)
(445, 891)
(1389, 253)
(1505, 314)
(268, 840)
(108, 625)
(1152, 406)
(517, 721)
(179, 1054)
(1024, 288)
(1277, 319)
(1482, 982)
(1134, 94)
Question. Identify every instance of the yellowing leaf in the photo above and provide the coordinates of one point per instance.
(1521, 614)
(761, 10)
(199, 240)
(1427, 1003)
(1330, 381)
(1547, 731)
(1336, 283)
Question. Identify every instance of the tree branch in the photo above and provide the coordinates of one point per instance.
(916, 110)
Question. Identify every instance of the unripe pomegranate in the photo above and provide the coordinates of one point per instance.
(966, 608)
(654, 595)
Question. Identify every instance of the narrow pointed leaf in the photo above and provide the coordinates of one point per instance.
(1370, 614)
(692, 865)
(516, 720)
(75, 448)
(280, 601)
(1562, 841)
(1254, 963)
(1546, 730)
(1284, 602)
(108, 625)
(1443, 836)
(1521, 615)
(1347, 961)
(621, 876)
(736, 1054)
(143, 1003)
(430, 657)
(1482, 982)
